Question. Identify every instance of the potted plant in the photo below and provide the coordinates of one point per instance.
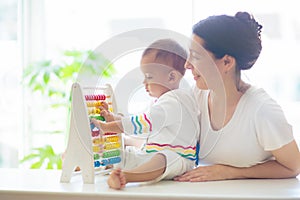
(51, 79)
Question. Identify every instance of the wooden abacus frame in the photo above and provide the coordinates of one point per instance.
(79, 151)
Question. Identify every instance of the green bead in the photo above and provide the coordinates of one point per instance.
(111, 153)
(98, 117)
(96, 156)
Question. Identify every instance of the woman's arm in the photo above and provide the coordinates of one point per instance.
(285, 165)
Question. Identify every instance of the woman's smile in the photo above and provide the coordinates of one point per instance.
(196, 76)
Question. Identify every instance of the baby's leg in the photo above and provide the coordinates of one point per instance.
(148, 171)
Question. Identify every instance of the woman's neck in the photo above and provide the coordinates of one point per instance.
(223, 102)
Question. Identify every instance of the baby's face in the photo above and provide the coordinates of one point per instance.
(156, 76)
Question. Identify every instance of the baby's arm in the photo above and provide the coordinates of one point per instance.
(117, 127)
(113, 127)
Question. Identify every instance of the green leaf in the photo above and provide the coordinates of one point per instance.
(37, 165)
(46, 77)
(29, 157)
(52, 92)
(59, 163)
(73, 53)
(49, 150)
(33, 79)
(49, 165)
(38, 87)
(45, 63)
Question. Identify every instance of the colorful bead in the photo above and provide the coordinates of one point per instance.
(96, 149)
(95, 133)
(112, 139)
(95, 97)
(97, 163)
(113, 145)
(98, 141)
(106, 147)
(114, 153)
(96, 156)
(98, 117)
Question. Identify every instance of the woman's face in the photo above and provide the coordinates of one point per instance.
(202, 63)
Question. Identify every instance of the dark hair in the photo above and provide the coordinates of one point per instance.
(237, 36)
(169, 52)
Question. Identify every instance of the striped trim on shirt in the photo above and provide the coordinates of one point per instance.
(188, 152)
(141, 124)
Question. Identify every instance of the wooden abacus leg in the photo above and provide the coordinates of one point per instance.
(79, 149)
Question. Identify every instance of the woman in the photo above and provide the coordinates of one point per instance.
(244, 133)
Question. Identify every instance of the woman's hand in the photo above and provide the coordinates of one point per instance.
(207, 173)
(285, 165)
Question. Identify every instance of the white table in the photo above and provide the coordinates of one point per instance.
(44, 184)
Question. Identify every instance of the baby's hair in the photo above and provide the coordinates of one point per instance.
(168, 52)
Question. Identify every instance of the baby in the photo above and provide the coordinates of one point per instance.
(171, 125)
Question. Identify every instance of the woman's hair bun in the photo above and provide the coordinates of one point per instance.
(249, 19)
(244, 16)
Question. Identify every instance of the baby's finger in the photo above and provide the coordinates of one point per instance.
(103, 113)
(105, 105)
(95, 122)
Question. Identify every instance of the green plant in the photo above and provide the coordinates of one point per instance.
(51, 79)
(44, 156)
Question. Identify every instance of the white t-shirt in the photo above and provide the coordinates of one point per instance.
(170, 124)
(257, 127)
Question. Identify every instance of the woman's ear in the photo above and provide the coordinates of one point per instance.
(229, 62)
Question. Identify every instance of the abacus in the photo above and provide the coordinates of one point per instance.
(88, 148)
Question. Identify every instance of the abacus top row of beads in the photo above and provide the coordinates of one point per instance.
(95, 97)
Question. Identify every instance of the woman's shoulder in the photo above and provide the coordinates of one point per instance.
(257, 95)
(258, 100)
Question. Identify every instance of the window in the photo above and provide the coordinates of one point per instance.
(84, 25)
(42, 30)
(10, 77)
(277, 69)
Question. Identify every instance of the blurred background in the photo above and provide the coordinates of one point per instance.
(44, 42)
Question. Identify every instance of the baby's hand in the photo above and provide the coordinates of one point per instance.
(104, 106)
(96, 123)
(108, 116)
(100, 125)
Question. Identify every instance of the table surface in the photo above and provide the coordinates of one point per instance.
(45, 184)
